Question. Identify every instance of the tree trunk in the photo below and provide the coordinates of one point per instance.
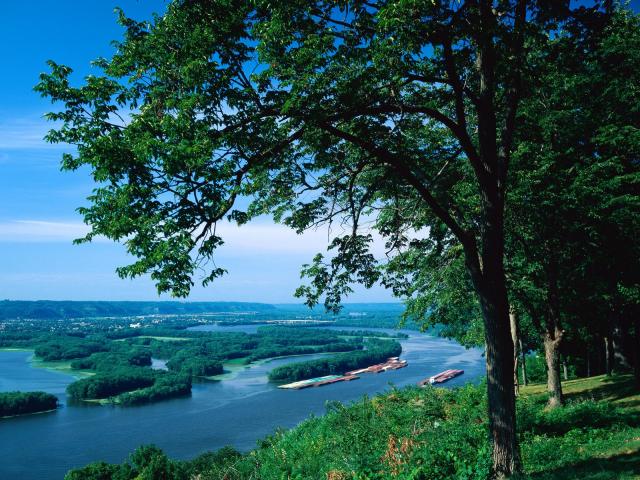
(524, 364)
(513, 323)
(552, 357)
(552, 337)
(490, 284)
(588, 362)
(636, 366)
(500, 388)
(608, 355)
(620, 358)
(565, 370)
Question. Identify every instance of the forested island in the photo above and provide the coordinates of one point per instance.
(22, 403)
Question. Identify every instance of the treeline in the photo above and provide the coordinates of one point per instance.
(49, 309)
(377, 351)
(21, 403)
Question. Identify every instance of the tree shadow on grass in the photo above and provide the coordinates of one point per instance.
(614, 388)
(584, 414)
(622, 466)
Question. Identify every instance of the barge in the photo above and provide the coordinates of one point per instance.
(441, 377)
(393, 363)
(318, 381)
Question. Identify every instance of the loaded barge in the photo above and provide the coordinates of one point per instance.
(440, 377)
(319, 381)
(393, 363)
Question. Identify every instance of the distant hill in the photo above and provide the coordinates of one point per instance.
(50, 309)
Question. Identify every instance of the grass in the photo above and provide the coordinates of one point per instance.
(62, 366)
(595, 436)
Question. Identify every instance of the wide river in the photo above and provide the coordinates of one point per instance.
(238, 411)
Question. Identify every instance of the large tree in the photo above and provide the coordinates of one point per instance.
(374, 112)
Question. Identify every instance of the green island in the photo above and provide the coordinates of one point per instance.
(429, 433)
(23, 403)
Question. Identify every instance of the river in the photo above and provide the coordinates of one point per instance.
(237, 412)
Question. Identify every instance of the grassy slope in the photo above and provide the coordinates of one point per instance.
(601, 448)
(595, 436)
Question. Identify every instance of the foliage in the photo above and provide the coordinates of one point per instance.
(105, 385)
(164, 386)
(20, 403)
(105, 361)
(68, 347)
(199, 366)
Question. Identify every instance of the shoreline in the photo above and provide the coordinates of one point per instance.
(30, 413)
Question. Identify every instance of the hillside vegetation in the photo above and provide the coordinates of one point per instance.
(430, 433)
(50, 309)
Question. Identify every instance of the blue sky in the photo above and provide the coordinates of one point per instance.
(38, 202)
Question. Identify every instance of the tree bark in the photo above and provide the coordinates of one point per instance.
(500, 387)
(515, 334)
(636, 366)
(552, 337)
(552, 356)
(490, 284)
(608, 356)
(565, 370)
(524, 364)
(620, 359)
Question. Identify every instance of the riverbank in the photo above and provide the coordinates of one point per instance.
(27, 414)
(432, 433)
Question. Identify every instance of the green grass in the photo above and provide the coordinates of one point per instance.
(63, 366)
(595, 436)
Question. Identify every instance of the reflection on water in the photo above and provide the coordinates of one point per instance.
(237, 412)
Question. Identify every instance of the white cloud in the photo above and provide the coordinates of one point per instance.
(250, 239)
(270, 238)
(25, 133)
(41, 231)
